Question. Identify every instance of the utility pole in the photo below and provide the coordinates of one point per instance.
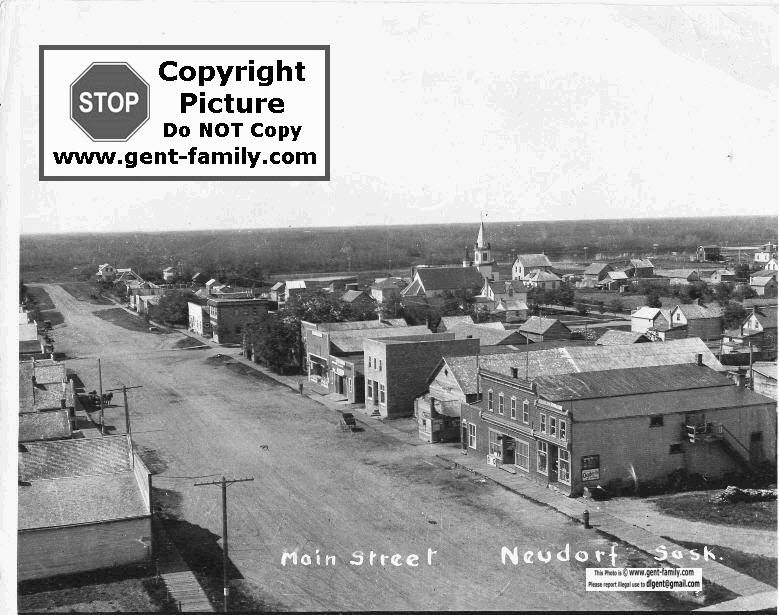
(224, 484)
(100, 380)
(124, 389)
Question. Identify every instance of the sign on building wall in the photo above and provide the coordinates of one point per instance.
(591, 467)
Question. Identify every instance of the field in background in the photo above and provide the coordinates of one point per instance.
(259, 253)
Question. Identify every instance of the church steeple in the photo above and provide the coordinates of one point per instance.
(482, 250)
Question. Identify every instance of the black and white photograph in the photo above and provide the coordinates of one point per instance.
(353, 306)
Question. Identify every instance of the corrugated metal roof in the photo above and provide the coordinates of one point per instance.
(69, 458)
(629, 381)
(79, 500)
(667, 402)
(692, 311)
(487, 336)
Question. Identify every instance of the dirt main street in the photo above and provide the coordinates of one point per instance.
(318, 488)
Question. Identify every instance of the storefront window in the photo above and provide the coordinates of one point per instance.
(542, 452)
(522, 455)
(564, 466)
(495, 447)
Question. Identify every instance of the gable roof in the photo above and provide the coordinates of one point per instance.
(487, 336)
(646, 312)
(761, 281)
(617, 275)
(539, 325)
(693, 311)
(352, 295)
(544, 276)
(766, 316)
(614, 337)
(502, 286)
(350, 341)
(449, 278)
(44, 425)
(675, 273)
(641, 263)
(450, 321)
(533, 260)
(596, 268)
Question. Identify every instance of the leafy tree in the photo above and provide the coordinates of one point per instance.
(273, 341)
(653, 299)
(733, 315)
(172, 308)
(317, 307)
(616, 305)
(744, 292)
(722, 293)
(581, 309)
(564, 295)
(601, 305)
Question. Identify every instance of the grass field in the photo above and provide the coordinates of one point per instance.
(122, 319)
(697, 508)
(85, 291)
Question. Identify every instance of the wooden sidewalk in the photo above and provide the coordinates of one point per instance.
(182, 585)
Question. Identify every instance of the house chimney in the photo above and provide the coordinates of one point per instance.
(699, 358)
(34, 381)
(514, 372)
(62, 403)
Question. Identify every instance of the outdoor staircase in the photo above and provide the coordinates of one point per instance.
(716, 432)
(376, 414)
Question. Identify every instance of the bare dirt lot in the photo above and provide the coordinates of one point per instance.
(316, 488)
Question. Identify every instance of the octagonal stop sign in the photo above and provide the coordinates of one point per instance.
(109, 101)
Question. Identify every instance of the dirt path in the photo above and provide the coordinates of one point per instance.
(316, 487)
(644, 513)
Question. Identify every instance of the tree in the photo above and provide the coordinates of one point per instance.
(733, 315)
(581, 309)
(317, 307)
(653, 299)
(172, 308)
(722, 293)
(601, 305)
(273, 342)
(616, 305)
(564, 295)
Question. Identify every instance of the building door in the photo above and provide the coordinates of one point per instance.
(552, 463)
(756, 447)
(508, 450)
(464, 435)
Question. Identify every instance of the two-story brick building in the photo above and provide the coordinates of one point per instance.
(229, 317)
(621, 427)
(397, 369)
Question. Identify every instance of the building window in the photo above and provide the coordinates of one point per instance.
(500, 403)
(379, 364)
(381, 394)
(552, 426)
(514, 408)
(489, 400)
(656, 420)
(522, 455)
(526, 412)
(564, 466)
(542, 420)
(495, 448)
(369, 389)
(349, 380)
(471, 435)
(562, 429)
(675, 449)
(542, 453)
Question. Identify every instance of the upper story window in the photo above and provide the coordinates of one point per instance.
(656, 420)
(513, 407)
(542, 422)
(526, 412)
(552, 426)
(563, 426)
(500, 403)
(489, 400)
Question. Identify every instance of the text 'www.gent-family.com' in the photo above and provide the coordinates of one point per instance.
(184, 112)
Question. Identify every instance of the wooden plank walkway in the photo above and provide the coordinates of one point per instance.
(633, 535)
(182, 584)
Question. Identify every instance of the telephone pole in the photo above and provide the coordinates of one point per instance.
(100, 380)
(224, 482)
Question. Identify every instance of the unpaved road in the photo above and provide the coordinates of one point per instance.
(317, 488)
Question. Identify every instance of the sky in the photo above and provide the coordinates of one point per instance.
(441, 111)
